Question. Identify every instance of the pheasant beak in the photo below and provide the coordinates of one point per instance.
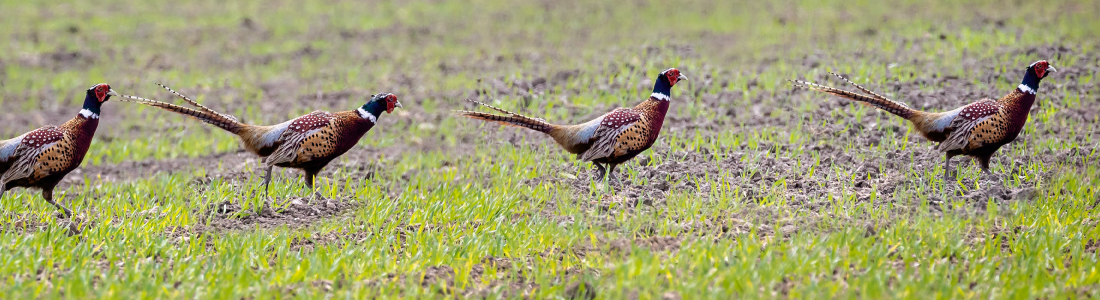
(1051, 69)
(682, 77)
(112, 93)
(398, 104)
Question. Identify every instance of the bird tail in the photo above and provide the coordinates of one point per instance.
(876, 100)
(202, 113)
(509, 118)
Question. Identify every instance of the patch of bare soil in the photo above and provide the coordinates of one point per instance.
(26, 224)
(20, 123)
(130, 170)
(1093, 246)
(656, 244)
(509, 281)
(292, 212)
(297, 213)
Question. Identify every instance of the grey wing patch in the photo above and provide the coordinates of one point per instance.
(272, 136)
(26, 157)
(960, 137)
(968, 118)
(607, 134)
(30, 146)
(288, 151)
(7, 148)
(294, 136)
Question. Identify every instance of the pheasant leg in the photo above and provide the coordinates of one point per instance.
(48, 195)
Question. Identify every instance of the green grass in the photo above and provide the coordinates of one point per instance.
(774, 215)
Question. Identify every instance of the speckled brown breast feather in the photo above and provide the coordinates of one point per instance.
(642, 134)
(336, 138)
(52, 152)
(293, 138)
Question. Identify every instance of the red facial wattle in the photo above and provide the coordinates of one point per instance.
(673, 77)
(1041, 69)
(391, 102)
(101, 92)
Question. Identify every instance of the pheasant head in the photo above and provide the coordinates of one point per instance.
(662, 89)
(97, 94)
(1035, 73)
(378, 103)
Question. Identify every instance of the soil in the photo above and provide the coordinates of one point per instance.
(442, 277)
(297, 212)
(233, 162)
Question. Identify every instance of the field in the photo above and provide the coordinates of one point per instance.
(755, 189)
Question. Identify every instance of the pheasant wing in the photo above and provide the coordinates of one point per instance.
(22, 153)
(334, 140)
(610, 127)
(296, 133)
(7, 148)
(962, 127)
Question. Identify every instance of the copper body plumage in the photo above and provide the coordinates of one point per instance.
(307, 143)
(609, 140)
(41, 158)
(977, 130)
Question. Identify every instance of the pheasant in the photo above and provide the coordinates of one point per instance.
(307, 143)
(976, 130)
(609, 140)
(41, 158)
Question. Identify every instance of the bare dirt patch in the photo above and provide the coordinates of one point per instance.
(509, 281)
(292, 213)
(130, 170)
(27, 224)
(655, 244)
(300, 212)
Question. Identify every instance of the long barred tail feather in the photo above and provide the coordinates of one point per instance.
(510, 118)
(861, 88)
(893, 107)
(208, 116)
(196, 104)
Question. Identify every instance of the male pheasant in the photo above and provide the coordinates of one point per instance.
(307, 143)
(977, 129)
(41, 158)
(611, 139)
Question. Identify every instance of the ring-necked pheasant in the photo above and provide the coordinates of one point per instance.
(977, 129)
(611, 139)
(41, 158)
(307, 143)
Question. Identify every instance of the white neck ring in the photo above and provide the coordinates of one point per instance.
(1026, 89)
(660, 96)
(88, 114)
(367, 115)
